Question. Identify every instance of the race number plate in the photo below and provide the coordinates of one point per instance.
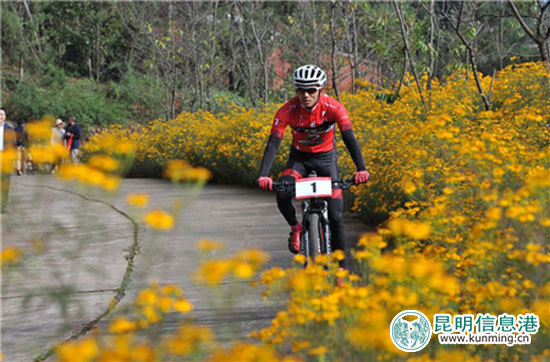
(313, 187)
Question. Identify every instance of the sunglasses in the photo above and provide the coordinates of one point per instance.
(307, 90)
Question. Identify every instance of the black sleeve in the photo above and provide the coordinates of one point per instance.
(273, 144)
(354, 150)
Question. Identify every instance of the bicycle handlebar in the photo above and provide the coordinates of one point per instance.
(289, 186)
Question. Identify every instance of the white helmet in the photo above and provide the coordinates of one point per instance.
(309, 76)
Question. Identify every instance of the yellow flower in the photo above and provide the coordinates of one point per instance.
(213, 271)
(80, 351)
(253, 256)
(164, 304)
(151, 314)
(182, 306)
(209, 245)
(125, 147)
(59, 151)
(10, 256)
(171, 289)
(243, 270)
(139, 199)
(40, 130)
(142, 353)
(122, 325)
(297, 346)
(110, 183)
(409, 187)
(41, 154)
(146, 296)
(160, 220)
(300, 259)
(197, 174)
(318, 351)
(103, 162)
(396, 226)
(541, 308)
(179, 170)
(338, 255)
(494, 213)
(7, 158)
(417, 231)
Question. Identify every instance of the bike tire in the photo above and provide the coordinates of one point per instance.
(314, 236)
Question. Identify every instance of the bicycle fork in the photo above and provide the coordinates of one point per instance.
(319, 207)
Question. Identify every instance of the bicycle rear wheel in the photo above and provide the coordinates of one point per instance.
(314, 236)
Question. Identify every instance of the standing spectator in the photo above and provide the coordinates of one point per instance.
(7, 141)
(58, 132)
(73, 135)
(58, 136)
(21, 141)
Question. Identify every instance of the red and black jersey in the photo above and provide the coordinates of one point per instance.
(312, 130)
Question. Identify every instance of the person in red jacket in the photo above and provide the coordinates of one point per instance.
(312, 117)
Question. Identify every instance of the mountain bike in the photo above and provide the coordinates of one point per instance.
(313, 190)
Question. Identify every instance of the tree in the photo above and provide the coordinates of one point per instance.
(541, 35)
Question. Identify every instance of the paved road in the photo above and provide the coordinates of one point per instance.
(68, 278)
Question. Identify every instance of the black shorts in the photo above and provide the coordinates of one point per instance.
(300, 164)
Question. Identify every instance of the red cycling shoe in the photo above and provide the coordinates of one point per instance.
(294, 239)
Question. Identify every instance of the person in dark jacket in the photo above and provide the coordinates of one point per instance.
(7, 142)
(73, 136)
(21, 140)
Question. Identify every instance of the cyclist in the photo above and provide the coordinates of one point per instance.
(312, 117)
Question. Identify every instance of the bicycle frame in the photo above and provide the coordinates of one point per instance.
(316, 209)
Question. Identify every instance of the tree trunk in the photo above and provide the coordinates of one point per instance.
(349, 39)
(333, 52)
(90, 70)
(470, 56)
(408, 49)
(542, 40)
(21, 67)
(97, 52)
(249, 61)
(402, 79)
(355, 45)
(314, 33)
(500, 35)
(432, 50)
(263, 62)
(212, 54)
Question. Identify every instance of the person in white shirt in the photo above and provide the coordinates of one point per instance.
(58, 136)
(7, 141)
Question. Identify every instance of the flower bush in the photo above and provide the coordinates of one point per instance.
(462, 194)
(459, 194)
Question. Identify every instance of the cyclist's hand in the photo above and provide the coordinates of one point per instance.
(361, 177)
(266, 183)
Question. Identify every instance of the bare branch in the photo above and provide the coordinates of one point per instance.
(522, 22)
(471, 56)
(408, 50)
(332, 55)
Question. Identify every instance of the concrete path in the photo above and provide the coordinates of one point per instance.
(75, 252)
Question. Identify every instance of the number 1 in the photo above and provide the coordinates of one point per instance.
(314, 186)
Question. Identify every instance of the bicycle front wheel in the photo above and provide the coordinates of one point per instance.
(314, 236)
